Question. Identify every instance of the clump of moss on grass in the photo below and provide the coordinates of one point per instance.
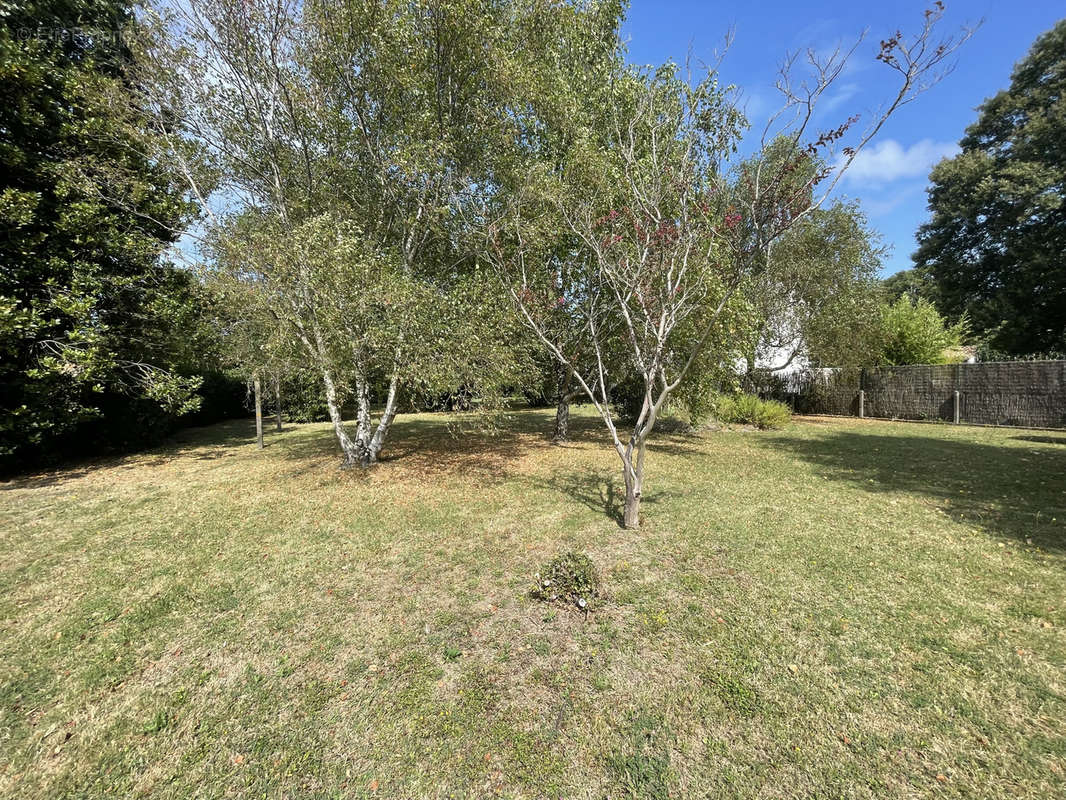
(570, 578)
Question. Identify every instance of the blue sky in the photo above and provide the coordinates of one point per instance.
(891, 178)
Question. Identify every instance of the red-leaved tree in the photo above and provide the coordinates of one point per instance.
(671, 225)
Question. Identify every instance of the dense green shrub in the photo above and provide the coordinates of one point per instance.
(987, 353)
(570, 578)
(222, 397)
(303, 397)
(747, 409)
(102, 344)
(916, 333)
(698, 394)
(124, 423)
(628, 399)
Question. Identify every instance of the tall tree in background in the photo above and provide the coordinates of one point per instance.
(910, 283)
(995, 244)
(90, 317)
(817, 300)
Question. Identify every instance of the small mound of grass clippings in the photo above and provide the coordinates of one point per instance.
(571, 579)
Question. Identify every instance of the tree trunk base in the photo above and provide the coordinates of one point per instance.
(562, 421)
(631, 512)
(358, 460)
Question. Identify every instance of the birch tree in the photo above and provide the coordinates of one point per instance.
(563, 118)
(255, 343)
(329, 144)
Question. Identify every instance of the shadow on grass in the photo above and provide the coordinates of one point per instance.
(206, 443)
(1042, 439)
(598, 490)
(439, 444)
(436, 446)
(426, 450)
(427, 446)
(601, 491)
(1009, 491)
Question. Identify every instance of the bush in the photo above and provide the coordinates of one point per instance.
(915, 333)
(571, 578)
(628, 398)
(303, 397)
(222, 398)
(698, 394)
(747, 409)
(124, 423)
(987, 353)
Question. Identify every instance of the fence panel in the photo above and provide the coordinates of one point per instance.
(1021, 393)
(1027, 393)
(918, 392)
(824, 391)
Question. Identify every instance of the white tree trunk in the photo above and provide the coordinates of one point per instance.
(277, 402)
(362, 407)
(633, 468)
(633, 480)
(349, 448)
(387, 416)
(258, 411)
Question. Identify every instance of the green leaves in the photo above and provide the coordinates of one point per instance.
(993, 247)
(85, 214)
(914, 333)
(818, 294)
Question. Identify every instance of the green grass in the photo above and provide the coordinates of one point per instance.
(841, 609)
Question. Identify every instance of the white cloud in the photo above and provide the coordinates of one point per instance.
(882, 203)
(755, 107)
(841, 96)
(888, 160)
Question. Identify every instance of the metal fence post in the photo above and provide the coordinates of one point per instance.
(956, 406)
(862, 403)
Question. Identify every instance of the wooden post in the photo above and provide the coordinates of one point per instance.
(862, 393)
(958, 397)
(277, 401)
(258, 410)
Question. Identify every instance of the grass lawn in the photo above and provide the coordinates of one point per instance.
(845, 608)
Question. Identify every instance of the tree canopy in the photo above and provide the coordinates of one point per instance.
(674, 227)
(92, 319)
(337, 151)
(994, 246)
(819, 297)
(374, 188)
